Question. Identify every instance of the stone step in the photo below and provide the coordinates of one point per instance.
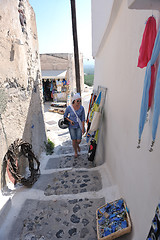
(65, 219)
(69, 161)
(69, 182)
(5, 209)
(69, 142)
(69, 149)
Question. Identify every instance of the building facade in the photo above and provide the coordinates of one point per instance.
(117, 32)
(60, 66)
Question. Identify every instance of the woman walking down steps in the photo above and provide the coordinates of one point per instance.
(75, 114)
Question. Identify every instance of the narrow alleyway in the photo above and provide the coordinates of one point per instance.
(62, 203)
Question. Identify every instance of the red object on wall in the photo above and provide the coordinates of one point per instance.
(145, 52)
(147, 43)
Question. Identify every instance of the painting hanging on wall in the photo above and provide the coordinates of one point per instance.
(154, 233)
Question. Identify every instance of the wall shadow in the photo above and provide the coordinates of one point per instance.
(101, 148)
(34, 130)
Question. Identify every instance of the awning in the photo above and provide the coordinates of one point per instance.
(54, 74)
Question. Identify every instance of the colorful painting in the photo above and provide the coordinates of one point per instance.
(154, 233)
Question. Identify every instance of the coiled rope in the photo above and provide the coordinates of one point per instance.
(10, 163)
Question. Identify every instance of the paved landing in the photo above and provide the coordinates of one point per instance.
(73, 219)
(69, 161)
(68, 143)
(51, 122)
(69, 182)
(69, 149)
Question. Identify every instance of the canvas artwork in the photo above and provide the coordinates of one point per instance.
(154, 233)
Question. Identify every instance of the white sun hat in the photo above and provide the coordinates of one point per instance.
(76, 96)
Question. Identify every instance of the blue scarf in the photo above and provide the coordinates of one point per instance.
(145, 96)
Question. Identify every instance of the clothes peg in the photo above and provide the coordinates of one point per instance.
(139, 141)
(151, 148)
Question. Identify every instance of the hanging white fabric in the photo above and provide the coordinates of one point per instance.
(95, 122)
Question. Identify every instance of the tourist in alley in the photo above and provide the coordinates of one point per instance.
(75, 114)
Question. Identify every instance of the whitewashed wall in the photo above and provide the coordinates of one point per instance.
(100, 24)
(136, 172)
(72, 74)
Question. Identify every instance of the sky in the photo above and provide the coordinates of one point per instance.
(54, 26)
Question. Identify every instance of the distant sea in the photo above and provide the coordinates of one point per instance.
(88, 66)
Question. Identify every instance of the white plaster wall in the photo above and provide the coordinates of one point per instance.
(135, 171)
(101, 10)
(144, 4)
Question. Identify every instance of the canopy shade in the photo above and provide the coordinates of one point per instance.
(54, 74)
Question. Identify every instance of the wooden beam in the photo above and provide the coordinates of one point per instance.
(75, 42)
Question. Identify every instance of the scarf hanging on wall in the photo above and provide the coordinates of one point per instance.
(147, 81)
(145, 52)
(156, 110)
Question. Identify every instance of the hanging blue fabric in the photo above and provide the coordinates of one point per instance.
(145, 97)
(51, 87)
(147, 80)
(156, 110)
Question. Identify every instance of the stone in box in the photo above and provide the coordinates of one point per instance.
(113, 220)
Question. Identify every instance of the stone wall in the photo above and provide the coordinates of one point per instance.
(21, 110)
(54, 61)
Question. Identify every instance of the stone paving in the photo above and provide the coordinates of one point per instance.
(69, 161)
(61, 218)
(72, 219)
(69, 149)
(69, 182)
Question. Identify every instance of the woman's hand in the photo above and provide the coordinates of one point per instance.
(72, 123)
(83, 127)
(83, 131)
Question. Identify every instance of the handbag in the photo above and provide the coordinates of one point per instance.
(95, 122)
(63, 123)
(92, 150)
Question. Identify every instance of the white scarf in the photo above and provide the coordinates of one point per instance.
(78, 119)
